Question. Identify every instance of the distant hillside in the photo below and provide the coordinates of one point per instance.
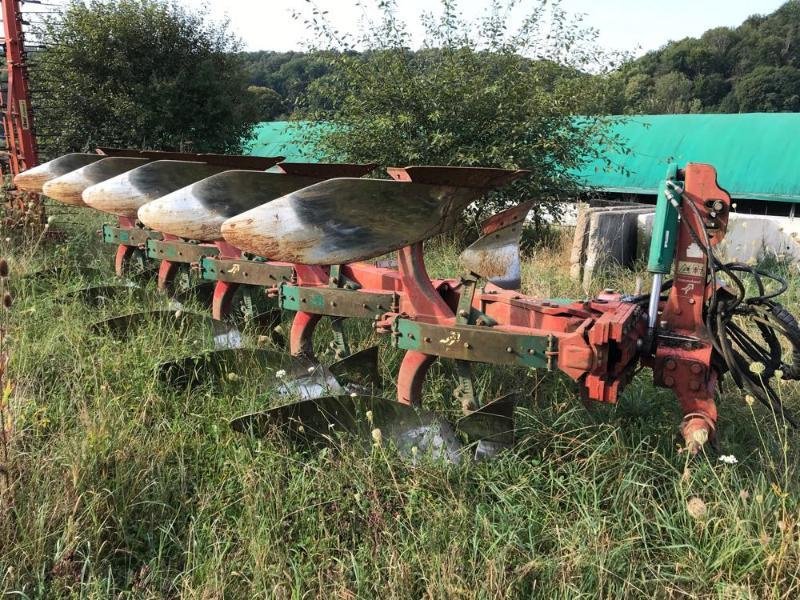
(751, 68)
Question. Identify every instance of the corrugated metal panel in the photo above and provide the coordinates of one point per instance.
(757, 156)
(280, 138)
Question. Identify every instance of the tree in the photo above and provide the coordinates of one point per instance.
(484, 94)
(769, 89)
(269, 104)
(140, 74)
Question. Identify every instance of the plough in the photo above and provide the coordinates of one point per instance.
(305, 237)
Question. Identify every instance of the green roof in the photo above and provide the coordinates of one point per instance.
(281, 138)
(757, 155)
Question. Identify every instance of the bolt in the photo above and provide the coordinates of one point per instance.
(467, 345)
(428, 340)
(364, 306)
(669, 381)
(696, 368)
(691, 300)
(609, 290)
(510, 350)
(671, 364)
(411, 336)
(694, 385)
(333, 280)
(663, 324)
(531, 351)
(463, 313)
(718, 205)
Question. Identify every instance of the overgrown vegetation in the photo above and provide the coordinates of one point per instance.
(122, 487)
(140, 74)
(468, 98)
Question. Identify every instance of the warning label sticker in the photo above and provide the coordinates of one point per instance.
(693, 269)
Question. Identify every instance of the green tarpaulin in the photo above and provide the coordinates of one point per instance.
(757, 156)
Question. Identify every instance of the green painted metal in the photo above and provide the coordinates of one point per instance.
(127, 236)
(177, 251)
(472, 343)
(665, 229)
(757, 155)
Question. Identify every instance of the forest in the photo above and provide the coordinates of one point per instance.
(751, 68)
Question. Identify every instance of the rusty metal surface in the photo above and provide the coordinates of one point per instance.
(327, 170)
(364, 419)
(472, 177)
(33, 180)
(345, 220)
(496, 256)
(68, 188)
(231, 161)
(124, 194)
(198, 210)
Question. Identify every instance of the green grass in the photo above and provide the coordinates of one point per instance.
(120, 488)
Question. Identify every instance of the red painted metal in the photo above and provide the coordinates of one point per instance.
(17, 115)
(411, 378)
(683, 359)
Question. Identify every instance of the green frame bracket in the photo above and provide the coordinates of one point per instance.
(179, 251)
(472, 343)
(128, 236)
(336, 302)
(245, 271)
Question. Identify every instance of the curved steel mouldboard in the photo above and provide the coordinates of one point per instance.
(197, 211)
(124, 194)
(68, 188)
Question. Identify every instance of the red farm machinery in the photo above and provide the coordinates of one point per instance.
(312, 240)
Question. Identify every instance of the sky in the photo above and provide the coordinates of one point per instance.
(635, 26)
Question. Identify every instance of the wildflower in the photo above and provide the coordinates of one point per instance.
(414, 451)
(778, 374)
(7, 300)
(50, 219)
(353, 395)
(178, 314)
(233, 377)
(3, 267)
(697, 508)
(369, 416)
(377, 436)
(750, 400)
(311, 369)
(280, 374)
(300, 429)
(757, 367)
(744, 495)
(728, 459)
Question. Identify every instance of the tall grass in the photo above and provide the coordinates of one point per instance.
(122, 488)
